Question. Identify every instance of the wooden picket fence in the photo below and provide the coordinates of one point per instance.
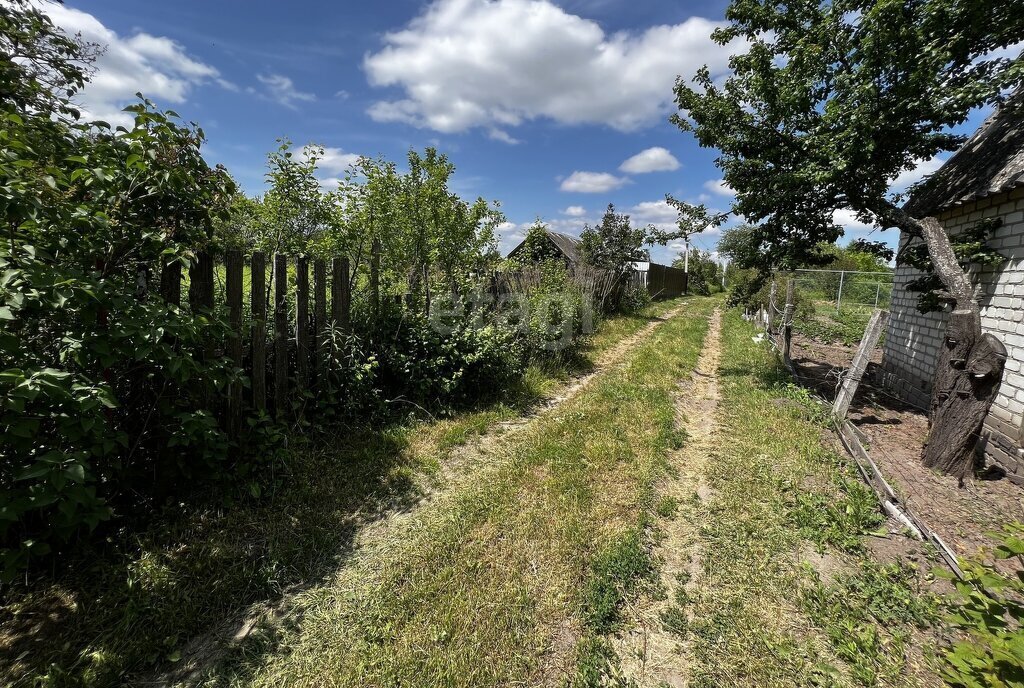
(300, 324)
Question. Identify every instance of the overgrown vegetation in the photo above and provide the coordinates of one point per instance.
(114, 395)
(136, 602)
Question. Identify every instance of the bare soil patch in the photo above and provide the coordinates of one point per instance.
(961, 515)
(651, 652)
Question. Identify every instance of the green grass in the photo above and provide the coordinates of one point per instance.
(825, 324)
(524, 566)
(759, 617)
(136, 599)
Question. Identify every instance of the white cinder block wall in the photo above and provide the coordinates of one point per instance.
(913, 339)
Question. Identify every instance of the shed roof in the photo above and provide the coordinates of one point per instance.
(567, 244)
(990, 162)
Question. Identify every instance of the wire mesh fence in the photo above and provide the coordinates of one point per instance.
(834, 306)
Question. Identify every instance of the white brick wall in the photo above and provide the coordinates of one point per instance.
(913, 339)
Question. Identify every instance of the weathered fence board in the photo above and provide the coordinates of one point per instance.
(302, 323)
(341, 292)
(170, 281)
(258, 301)
(320, 319)
(280, 335)
(233, 270)
(876, 325)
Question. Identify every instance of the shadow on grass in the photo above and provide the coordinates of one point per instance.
(119, 611)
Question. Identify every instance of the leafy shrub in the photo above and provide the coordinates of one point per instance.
(990, 609)
(635, 299)
(447, 365)
(105, 388)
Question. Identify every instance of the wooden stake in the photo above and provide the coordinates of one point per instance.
(341, 293)
(860, 363)
(320, 319)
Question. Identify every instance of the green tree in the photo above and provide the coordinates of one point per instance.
(614, 244)
(704, 271)
(832, 100)
(98, 380)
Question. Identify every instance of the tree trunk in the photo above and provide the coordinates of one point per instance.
(969, 369)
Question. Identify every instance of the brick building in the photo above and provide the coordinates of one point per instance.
(984, 179)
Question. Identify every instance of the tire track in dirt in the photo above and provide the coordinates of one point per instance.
(463, 466)
(652, 647)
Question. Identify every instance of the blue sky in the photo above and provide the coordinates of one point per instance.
(555, 109)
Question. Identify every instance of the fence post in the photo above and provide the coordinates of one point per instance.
(258, 298)
(233, 283)
(320, 318)
(200, 292)
(860, 362)
(280, 334)
(302, 323)
(839, 296)
(787, 322)
(878, 290)
(771, 305)
(341, 294)
(375, 279)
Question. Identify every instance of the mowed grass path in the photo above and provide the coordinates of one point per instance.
(512, 579)
(136, 603)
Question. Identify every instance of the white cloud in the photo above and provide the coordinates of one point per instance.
(575, 211)
(282, 90)
(658, 213)
(655, 159)
(481, 63)
(592, 182)
(335, 160)
(663, 216)
(908, 178)
(503, 136)
(156, 66)
(719, 187)
(847, 219)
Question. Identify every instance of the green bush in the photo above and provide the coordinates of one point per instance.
(990, 611)
(445, 365)
(635, 299)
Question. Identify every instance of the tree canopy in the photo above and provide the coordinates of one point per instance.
(831, 100)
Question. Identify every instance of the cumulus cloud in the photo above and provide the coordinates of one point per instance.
(282, 90)
(157, 66)
(661, 215)
(908, 178)
(503, 136)
(847, 219)
(655, 159)
(575, 211)
(335, 160)
(497, 63)
(592, 182)
(719, 187)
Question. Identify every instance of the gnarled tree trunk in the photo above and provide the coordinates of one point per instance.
(969, 370)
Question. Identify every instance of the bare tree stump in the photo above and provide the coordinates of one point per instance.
(970, 385)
